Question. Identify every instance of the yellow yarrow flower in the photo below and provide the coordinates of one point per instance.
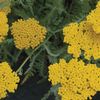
(8, 80)
(6, 9)
(3, 26)
(78, 81)
(70, 33)
(28, 33)
(84, 35)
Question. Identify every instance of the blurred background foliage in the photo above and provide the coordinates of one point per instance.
(54, 15)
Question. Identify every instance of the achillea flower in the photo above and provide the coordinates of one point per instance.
(28, 33)
(6, 9)
(3, 26)
(78, 81)
(84, 35)
(8, 80)
(70, 33)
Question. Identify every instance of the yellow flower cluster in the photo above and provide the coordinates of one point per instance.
(8, 80)
(28, 33)
(78, 81)
(3, 26)
(6, 9)
(84, 35)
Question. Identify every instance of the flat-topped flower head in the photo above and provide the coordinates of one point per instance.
(8, 80)
(84, 35)
(3, 26)
(78, 81)
(28, 33)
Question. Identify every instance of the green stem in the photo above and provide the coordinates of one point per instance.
(8, 53)
(29, 70)
(17, 56)
(33, 60)
(19, 69)
(49, 52)
(46, 96)
(53, 90)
